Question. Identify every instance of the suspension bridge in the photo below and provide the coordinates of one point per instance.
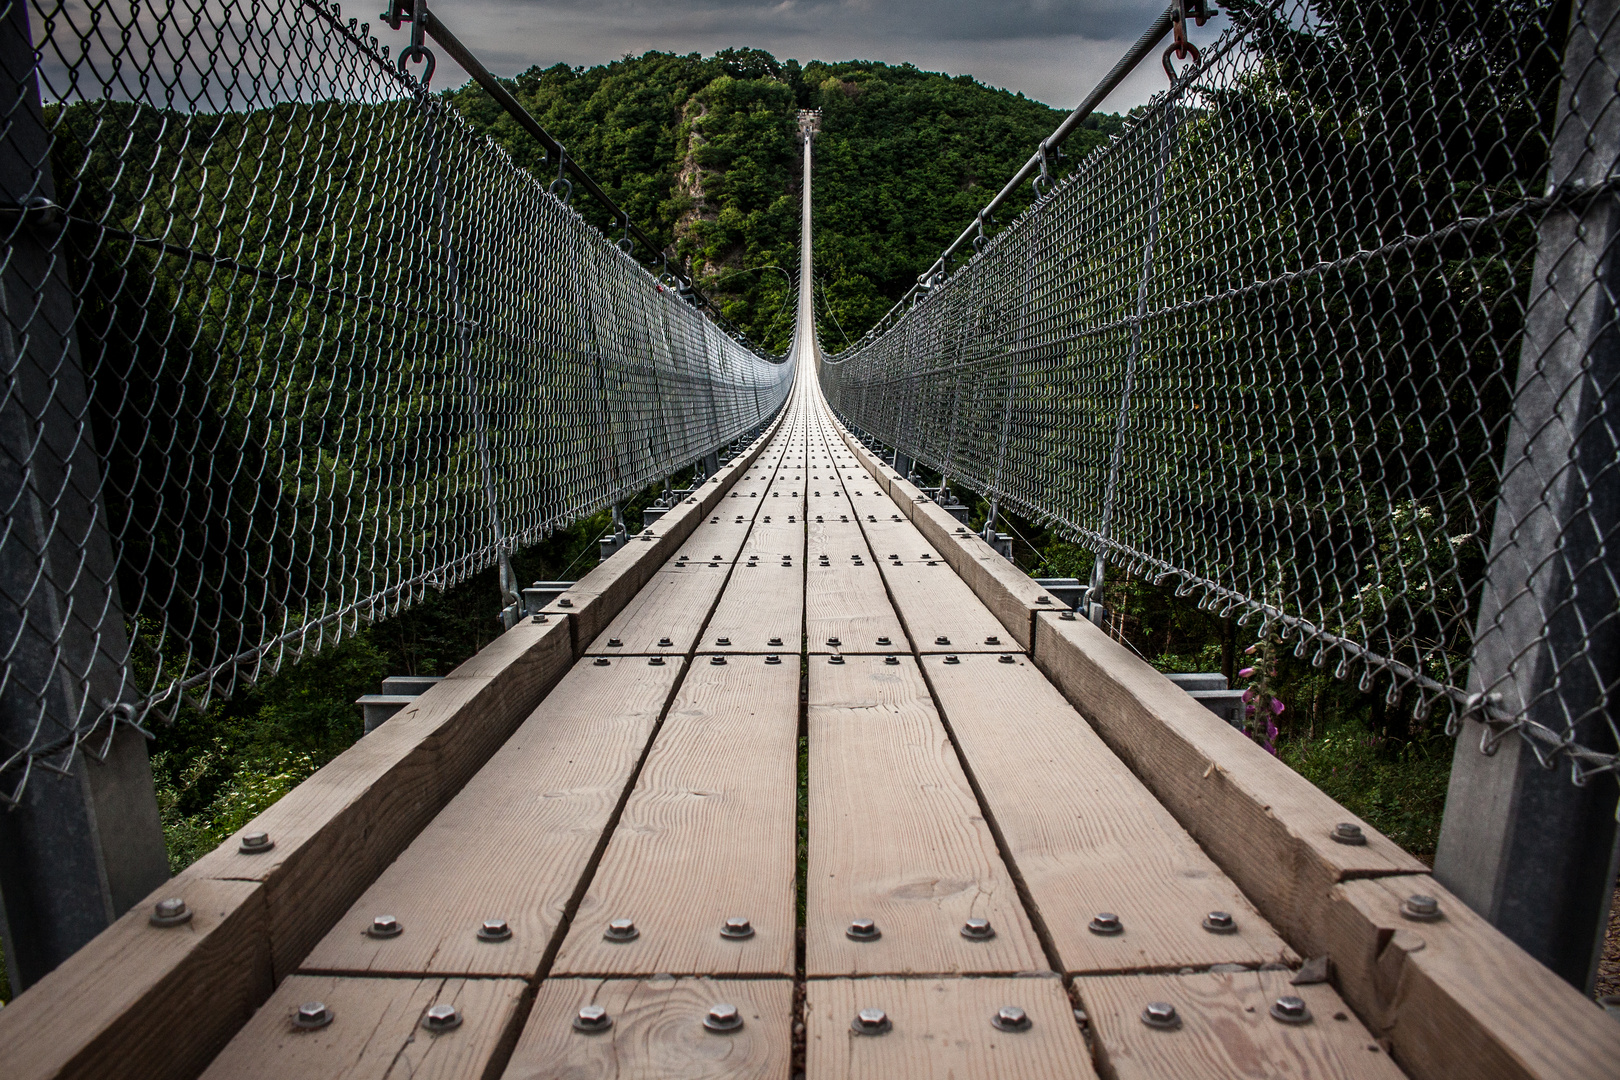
(805, 778)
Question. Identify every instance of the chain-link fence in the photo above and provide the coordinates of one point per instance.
(289, 343)
(1328, 337)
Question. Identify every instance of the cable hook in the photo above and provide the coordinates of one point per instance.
(1181, 48)
(567, 184)
(414, 12)
(627, 243)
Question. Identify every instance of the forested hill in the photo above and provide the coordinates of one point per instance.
(702, 152)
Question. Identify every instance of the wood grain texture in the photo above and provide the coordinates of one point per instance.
(515, 842)
(770, 540)
(657, 1031)
(896, 835)
(376, 1031)
(934, 602)
(1084, 833)
(1265, 826)
(942, 1031)
(848, 602)
(674, 605)
(707, 833)
(759, 603)
(1227, 1031)
(1456, 997)
(720, 537)
(145, 1002)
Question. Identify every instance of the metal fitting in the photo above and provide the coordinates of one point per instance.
(592, 1020)
(170, 912)
(565, 603)
(602, 661)
(835, 659)
(723, 1019)
(871, 1022)
(442, 1018)
(891, 660)
(775, 642)
(978, 930)
(1005, 659)
(717, 661)
(621, 930)
(1066, 616)
(1348, 832)
(773, 659)
(723, 641)
(655, 661)
(494, 930)
(1010, 1018)
(384, 926)
(1220, 922)
(1105, 923)
(1420, 908)
(1291, 1010)
(952, 660)
(1161, 1015)
(883, 641)
(615, 643)
(862, 930)
(992, 640)
(834, 642)
(737, 928)
(942, 640)
(312, 1015)
(255, 843)
(665, 643)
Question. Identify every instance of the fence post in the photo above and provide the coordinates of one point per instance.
(1521, 844)
(84, 844)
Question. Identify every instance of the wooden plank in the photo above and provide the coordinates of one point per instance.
(146, 1002)
(657, 1031)
(673, 606)
(708, 833)
(1265, 825)
(762, 603)
(1084, 834)
(1012, 596)
(514, 843)
(942, 1031)
(720, 537)
(934, 603)
(896, 835)
(1227, 1030)
(1455, 997)
(847, 601)
(376, 1031)
(779, 527)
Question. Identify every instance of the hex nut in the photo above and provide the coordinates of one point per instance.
(615, 643)
(978, 930)
(1291, 1010)
(1420, 908)
(1348, 832)
(592, 1019)
(834, 642)
(312, 1015)
(602, 661)
(891, 660)
(738, 928)
(775, 641)
(863, 930)
(992, 640)
(170, 912)
(495, 930)
(665, 643)
(384, 926)
(883, 641)
(442, 1018)
(942, 640)
(1066, 616)
(871, 1022)
(835, 659)
(621, 930)
(1220, 922)
(1161, 1015)
(723, 641)
(723, 1019)
(1010, 1018)
(655, 661)
(1006, 659)
(717, 661)
(255, 843)
(1106, 923)
(565, 603)
(539, 618)
(952, 660)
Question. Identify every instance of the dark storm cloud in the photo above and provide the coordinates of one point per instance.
(1051, 50)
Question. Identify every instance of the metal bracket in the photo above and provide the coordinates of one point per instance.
(414, 12)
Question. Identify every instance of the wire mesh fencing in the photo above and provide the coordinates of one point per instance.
(1327, 337)
(287, 344)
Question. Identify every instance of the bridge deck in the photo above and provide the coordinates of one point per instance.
(806, 652)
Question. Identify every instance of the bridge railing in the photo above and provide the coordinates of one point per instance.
(288, 343)
(1327, 338)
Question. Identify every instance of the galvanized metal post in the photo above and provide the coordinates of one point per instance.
(1521, 844)
(84, 844)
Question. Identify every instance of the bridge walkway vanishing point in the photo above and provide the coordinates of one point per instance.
(802, 750)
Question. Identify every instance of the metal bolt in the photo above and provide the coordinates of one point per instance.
(1291, 1010)
(254, 843)
(494, 930)
(615, 643)
(565, 603)
(1010, 1018)
(1420, 908)
(870, 1022)
(891, 660)
(835, 659)
(312, 1015)
(776, 641)
(1161, 1014)
(1348, 832)
(737, 927)
(602, 661)
(992, 640)
(170, 912)
(1005, 659)
(665, 643)
(1066, 616)
(385, 926)
(834, 642)
(863, 930)
(656, 661)
(1220, 922)
(978, 930)
(942, 640)
(722, 641)
(723, 1018)
(442, 1018)
(1043, 599)
(773, 659)
(883, 641)
(621, 930)
(539, 618)
(1106, 923)
(592, 1019)
(952, 660)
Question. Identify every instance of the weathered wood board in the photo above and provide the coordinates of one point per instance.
(673, 606)
(896, 835)
(707, 834)
(760, 611)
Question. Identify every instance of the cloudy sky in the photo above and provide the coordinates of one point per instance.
(1052, 50)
